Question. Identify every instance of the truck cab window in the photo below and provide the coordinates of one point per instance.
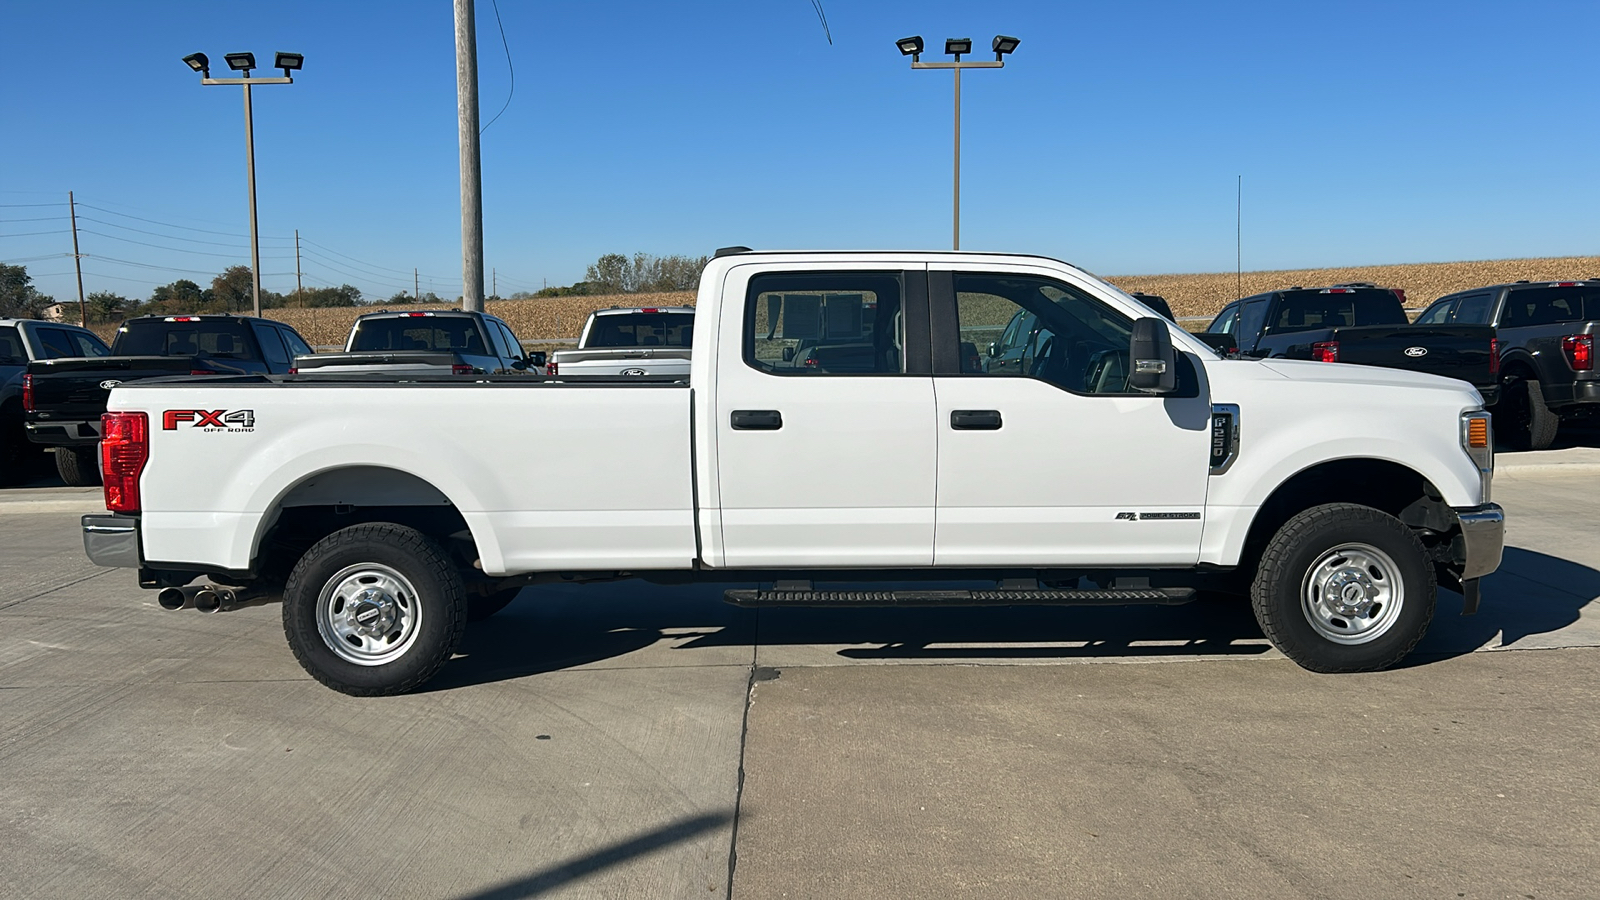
(1473, 310)
(835, 323)
(1034, 327)
(1437, 314)
(1227, 323)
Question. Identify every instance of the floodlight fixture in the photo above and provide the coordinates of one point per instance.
(911, 46)
(200, 63)
(291, 62)
(1004, 44)
(241, 62)
(957, 47)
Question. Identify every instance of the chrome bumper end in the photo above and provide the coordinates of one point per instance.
(112, 541)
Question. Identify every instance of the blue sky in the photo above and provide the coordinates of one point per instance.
(1365, 132)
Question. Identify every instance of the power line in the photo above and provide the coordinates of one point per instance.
(25, 205)
(115, 237)
(172, 225)
(337, 267)
(34, 233)
(129, 262)
(185, 215)
(306, 240)
(513, 92)
(26, 259)
(40, 219)
(174, 237)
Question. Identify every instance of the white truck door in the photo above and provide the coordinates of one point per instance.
(826, 443)
(1045, 457)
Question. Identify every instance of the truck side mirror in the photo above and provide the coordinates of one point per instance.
(788, 354)
(1152, 361)
(994, 349)
(536, 359)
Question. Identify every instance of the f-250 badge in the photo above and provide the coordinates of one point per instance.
(210, 420)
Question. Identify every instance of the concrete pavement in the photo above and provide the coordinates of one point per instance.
(591, 742)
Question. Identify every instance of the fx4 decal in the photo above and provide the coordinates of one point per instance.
(210, 420)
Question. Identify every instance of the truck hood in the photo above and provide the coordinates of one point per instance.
(1337, 373)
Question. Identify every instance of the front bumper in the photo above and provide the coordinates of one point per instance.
(112, 540)
(1483, 539)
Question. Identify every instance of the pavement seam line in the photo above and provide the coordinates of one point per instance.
(59, 587)
(744, 739)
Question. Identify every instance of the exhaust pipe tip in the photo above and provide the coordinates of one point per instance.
(207, 600)
(174, 598)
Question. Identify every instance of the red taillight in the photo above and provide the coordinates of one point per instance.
(415, 315)
(27, 392)
(183, 318)
(649, 310)
(550, 368)
(460, 369)
(811, 362)
(1565, 284)
(1325, 351)
(1400, 293)
(124, 449)
(1580, 351)
(293, 371)
(1494, 356)
(204, 372)
(1337, 291)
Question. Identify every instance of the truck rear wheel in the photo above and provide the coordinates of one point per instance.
(1528, 424)
(78, 466)
(374, 609)
(1344, 588)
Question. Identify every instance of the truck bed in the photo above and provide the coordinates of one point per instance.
(547, 475)
(623, 361)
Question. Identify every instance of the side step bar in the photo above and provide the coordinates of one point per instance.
(1066, 597)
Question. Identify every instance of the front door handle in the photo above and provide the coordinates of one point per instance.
(756, 420)
(975, 419)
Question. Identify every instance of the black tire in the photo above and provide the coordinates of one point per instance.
(482, 606)
(1303, 561)
(1526, 422)
(408, 572)
(77, 466)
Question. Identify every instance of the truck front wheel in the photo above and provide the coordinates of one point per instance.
(1344, 588)
(374, 609)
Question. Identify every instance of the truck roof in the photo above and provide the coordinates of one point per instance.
(623, 310)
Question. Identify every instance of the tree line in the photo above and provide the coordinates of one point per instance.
(230, 290)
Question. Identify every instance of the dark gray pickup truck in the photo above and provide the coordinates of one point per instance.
(1361, 324)
(1547, 332)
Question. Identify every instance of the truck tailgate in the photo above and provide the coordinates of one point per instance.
(546, 475)
(623, 361)
(1454, 351)
(396, 362)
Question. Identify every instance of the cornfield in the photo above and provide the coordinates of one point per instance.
(560, 318)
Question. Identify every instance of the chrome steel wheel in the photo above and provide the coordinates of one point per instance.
(368, 614)
(1352, 594)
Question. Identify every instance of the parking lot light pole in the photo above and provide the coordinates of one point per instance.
(244, 62)
(957, 47)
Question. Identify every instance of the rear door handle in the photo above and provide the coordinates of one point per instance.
(975, 419)
(756, 420)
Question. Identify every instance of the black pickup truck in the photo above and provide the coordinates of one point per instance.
(1361, 324)
(1547, 332)
(66, 397)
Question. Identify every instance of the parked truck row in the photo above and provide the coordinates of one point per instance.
(854, 429)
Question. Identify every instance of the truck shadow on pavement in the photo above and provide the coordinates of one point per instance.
(1533, 601)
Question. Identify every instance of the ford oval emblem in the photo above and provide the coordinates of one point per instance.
(633, 372)
(109, 384)
(1415, 352)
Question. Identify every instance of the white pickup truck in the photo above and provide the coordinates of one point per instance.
(630, 341)
(1117, 460)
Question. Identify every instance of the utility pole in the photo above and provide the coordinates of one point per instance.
(297, 297)
(416, 286)
(471, 171)
(494, 281)
(77, 261)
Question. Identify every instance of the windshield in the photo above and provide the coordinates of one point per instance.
(220, 338)
(1305, 310)
(642, 330)
(447, 333)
